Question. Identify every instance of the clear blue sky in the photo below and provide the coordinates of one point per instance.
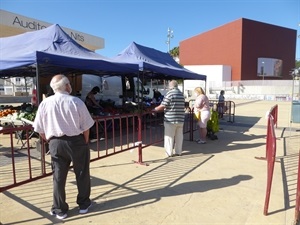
(146, 22)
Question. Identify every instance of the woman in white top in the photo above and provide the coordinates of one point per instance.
(202, 105)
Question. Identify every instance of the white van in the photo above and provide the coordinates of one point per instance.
(117, 89)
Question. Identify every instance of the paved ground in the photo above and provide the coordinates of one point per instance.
(218, 183)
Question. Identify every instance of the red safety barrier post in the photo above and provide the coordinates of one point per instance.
(231, 110)
(139, 143)
(297, 209)
(191, 112)
(271, 153)
(274, 113)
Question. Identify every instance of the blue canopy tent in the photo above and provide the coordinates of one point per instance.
(50, 51)
(156, 64)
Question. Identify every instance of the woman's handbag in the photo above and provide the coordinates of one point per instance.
(197, 115)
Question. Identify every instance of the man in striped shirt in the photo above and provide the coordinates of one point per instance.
(174, 112)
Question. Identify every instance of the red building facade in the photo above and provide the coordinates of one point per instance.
(246, 46)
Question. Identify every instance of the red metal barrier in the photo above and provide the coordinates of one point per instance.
(192, 123)
(19, 164)
(274, 113)
(271, 154)
(297, 206)
(229, 107)
(113, 134)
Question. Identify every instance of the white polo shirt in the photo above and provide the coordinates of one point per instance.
(62, 114)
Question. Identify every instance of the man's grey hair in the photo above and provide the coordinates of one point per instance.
(173, 84)
(58, 83)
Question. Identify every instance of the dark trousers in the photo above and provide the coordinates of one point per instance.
(65, 150)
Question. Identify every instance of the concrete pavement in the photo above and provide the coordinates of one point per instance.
(217, 183)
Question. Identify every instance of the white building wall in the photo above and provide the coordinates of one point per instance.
(216, 75)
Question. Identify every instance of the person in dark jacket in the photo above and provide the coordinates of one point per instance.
(91, 103)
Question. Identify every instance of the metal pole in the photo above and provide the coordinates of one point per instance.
(169, 36)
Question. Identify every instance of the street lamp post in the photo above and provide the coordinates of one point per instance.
(169, 36)
(263, 72)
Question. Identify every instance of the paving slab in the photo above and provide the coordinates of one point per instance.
(221, 182)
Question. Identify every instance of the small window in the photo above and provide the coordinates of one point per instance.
(269, 67)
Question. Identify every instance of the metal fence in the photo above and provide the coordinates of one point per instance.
(25, 158)
(270, 155)
(277, 90)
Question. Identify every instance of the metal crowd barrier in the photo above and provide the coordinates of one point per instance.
(297, 206)
(274, 115)
(228, 108)
(19, 164)
(270, 156)
(113, 134)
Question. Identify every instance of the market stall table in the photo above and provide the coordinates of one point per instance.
(14, 123)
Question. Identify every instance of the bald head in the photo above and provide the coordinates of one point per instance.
(59, 83)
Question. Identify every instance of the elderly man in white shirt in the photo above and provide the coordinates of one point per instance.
(64, 121)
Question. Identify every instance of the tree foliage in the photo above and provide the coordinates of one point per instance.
(297, 64)
(174, 52)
